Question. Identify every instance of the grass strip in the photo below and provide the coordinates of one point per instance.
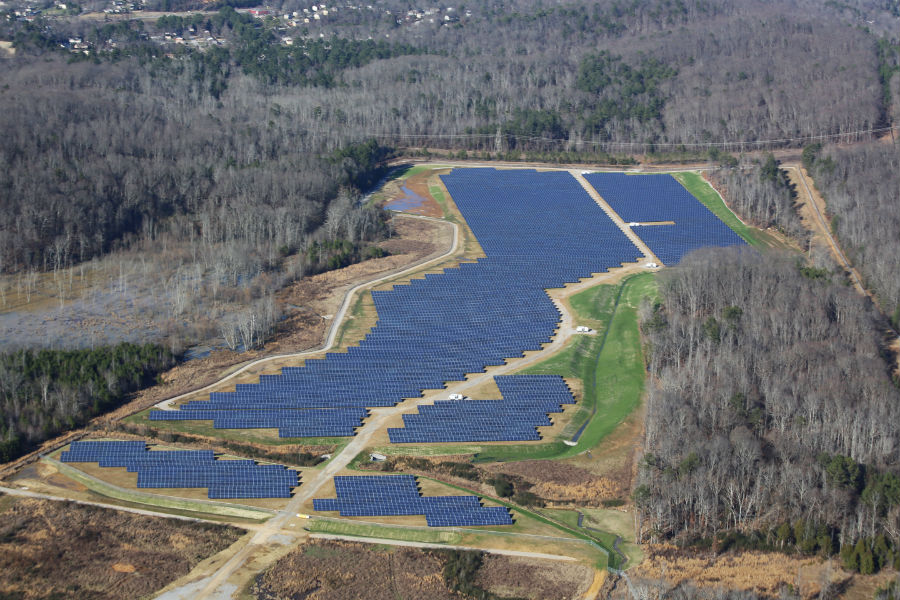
(704, 192)
(161, 502)
(388, 532)
(611, 368)
(600, 544)
(267, 437)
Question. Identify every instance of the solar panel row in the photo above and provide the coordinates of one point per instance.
(527, 400)
(655, 198)
(399, 495)
(538, 231)
(188, 469)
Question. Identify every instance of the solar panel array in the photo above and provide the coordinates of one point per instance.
(526, 404)
(398, 495)
(538, 230)
(653, 198)
(188, 469)
(232, 413)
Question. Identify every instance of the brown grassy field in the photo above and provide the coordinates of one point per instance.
(60, 550)
(765, 573)
(334, 570)
(534, 579)
(339, 570)
(560, 481)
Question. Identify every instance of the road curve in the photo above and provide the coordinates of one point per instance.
(335, 323)
(217, 585)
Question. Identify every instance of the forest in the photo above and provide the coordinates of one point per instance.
(759, 191)
(46, 392)
(139, 140)
(860, 189)
(776, 373)
(206, 179)
(236, 144)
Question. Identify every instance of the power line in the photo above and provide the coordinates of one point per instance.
(632, 145)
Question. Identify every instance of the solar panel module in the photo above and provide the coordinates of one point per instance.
(660, 198)
(399, 495)
(539, 230)
(526, 404)
(188, 469)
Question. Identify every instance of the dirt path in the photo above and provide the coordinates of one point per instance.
(594, 590)
(336, 321)
(815, 204)
(138, 511)
(520, 553)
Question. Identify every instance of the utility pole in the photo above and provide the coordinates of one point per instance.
(498, 141)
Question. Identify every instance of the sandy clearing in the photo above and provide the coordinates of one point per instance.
(519, 553)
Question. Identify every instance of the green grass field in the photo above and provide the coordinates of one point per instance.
(416, 169)
(613, 523)
(610, 365)
(701, 190)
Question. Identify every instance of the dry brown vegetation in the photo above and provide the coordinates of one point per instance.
(418, 185)
(533, 579)
(562, 482)
(64, 550)
(335, 570)
(765, 573)
(319, 296)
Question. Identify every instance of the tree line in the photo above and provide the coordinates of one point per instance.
(760, 192)
(44, 393)
(155, 134)
(860, 186)
(775, 373)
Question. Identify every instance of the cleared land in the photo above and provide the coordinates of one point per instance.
(765, 573)
(62, 550)
(705, 193)
(533, 579)
(610, 366)
(330, 570)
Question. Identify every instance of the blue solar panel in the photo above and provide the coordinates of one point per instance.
(656, 198)
(527, 400)
(538, 231)
(398, 495)
(188, 469)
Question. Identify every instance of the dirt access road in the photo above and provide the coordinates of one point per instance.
(221, 583)
(230, 577)
(817, 221)
(336, 321)
(138, 511)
